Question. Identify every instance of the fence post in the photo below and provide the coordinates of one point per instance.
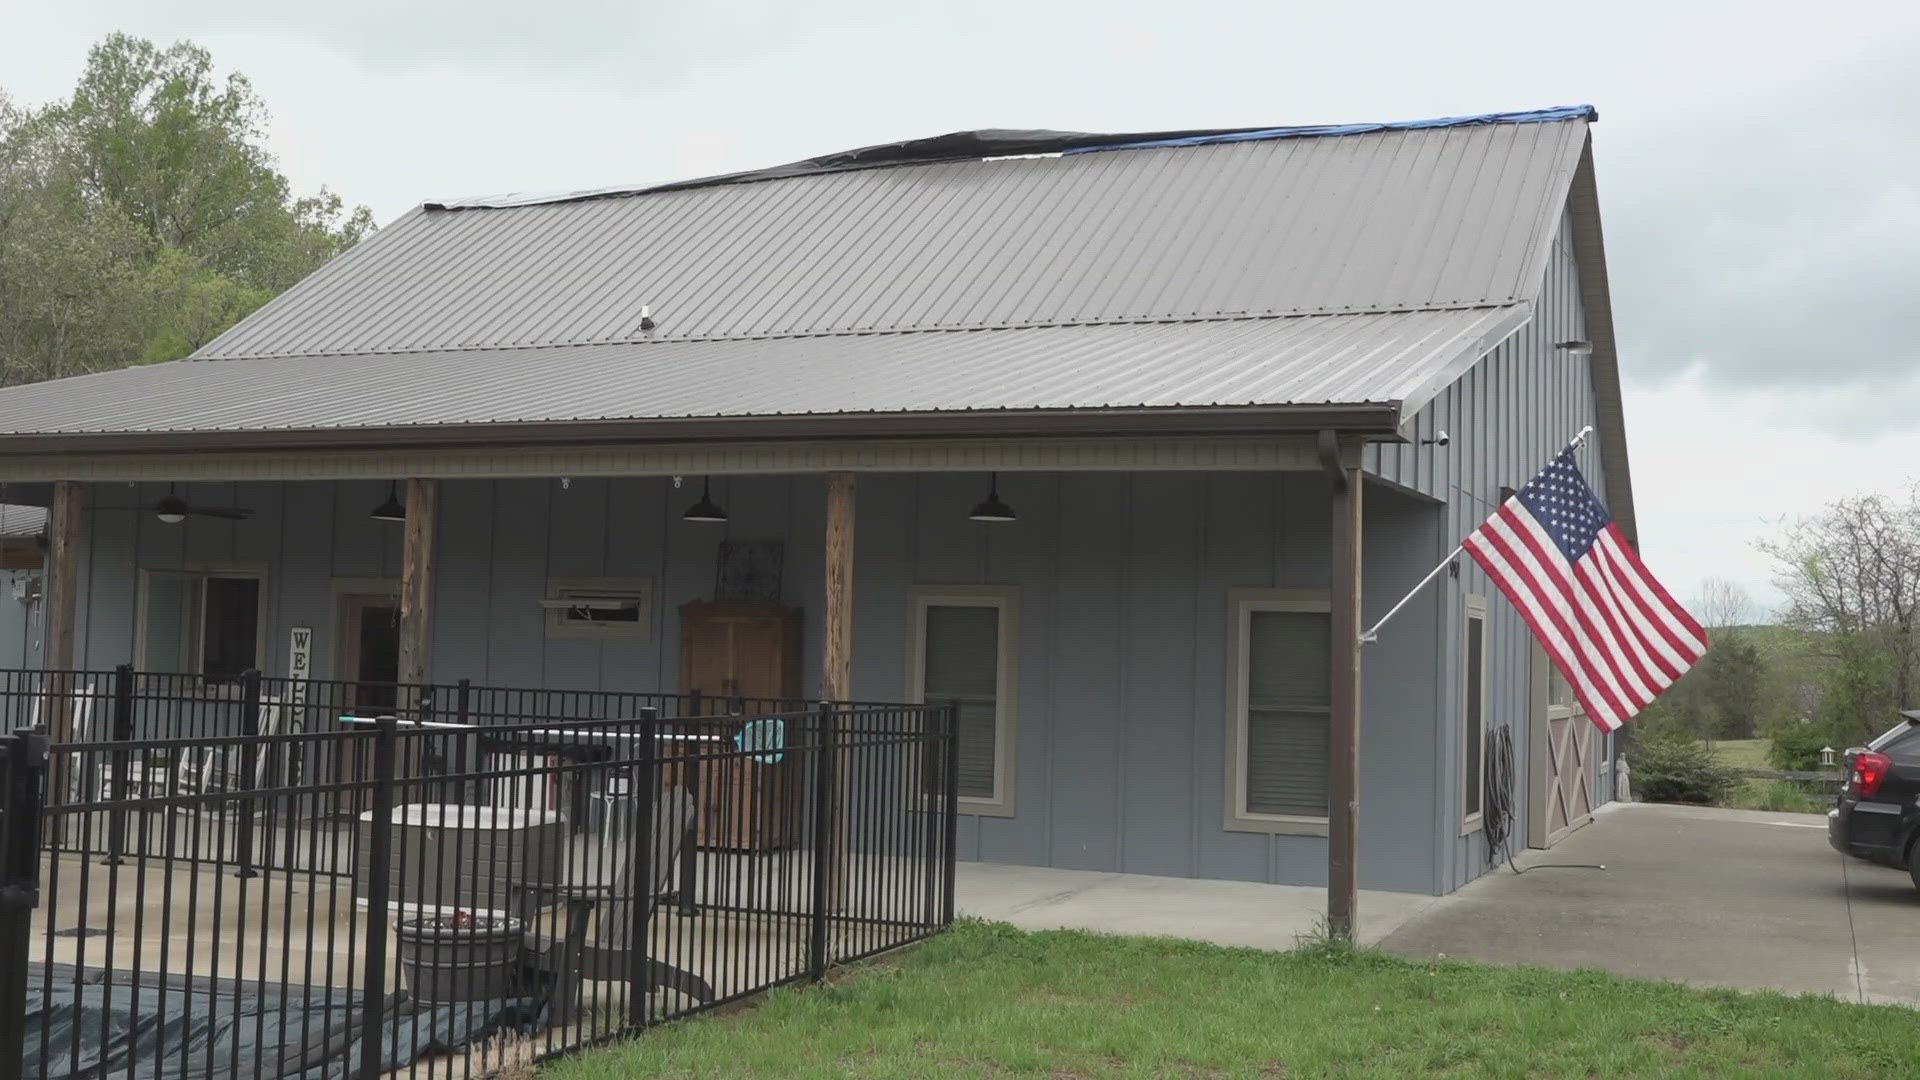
(249, 765)
(823, 782)
(379, 883)
(642, 790)
(930, 797)
(122, 762)
(23, 772)
(693, 778)
(463, 708)
(951, 793)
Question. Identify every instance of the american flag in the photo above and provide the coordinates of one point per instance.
(1610, 628)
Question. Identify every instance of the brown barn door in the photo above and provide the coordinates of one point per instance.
(1561, 792)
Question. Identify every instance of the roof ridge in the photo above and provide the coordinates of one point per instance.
(988, 143)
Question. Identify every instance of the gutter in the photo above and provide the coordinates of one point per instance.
(1379, 420)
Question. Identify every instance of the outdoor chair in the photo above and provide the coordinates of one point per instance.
(569, 955)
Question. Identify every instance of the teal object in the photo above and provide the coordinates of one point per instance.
(766, 740)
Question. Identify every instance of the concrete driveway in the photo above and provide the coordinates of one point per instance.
(1702, 896)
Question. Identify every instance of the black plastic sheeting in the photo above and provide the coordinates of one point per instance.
(955, 146)
(240, 1031)
(1009, 142)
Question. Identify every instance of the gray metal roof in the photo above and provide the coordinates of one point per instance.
(1383, 221)
(1397, 358)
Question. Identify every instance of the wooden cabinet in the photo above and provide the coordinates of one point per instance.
(743, 657)
(740, 649)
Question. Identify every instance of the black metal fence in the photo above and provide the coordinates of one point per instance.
(256, 879)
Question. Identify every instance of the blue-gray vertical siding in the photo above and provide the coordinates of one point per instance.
(1123, 579)
(1504, 418)
(1122, 639)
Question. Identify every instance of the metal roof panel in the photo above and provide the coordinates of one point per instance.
(1382, 358)
(1379, 221)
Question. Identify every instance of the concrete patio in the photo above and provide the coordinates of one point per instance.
(1708, 897)
(1223, 912)
(1702, 896)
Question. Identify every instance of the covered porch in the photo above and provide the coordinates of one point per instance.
(1103, 735)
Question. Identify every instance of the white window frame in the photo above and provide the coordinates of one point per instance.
(1241, 605)
(1006, 599)
(639, 589)
(202, 571)
(1473, 607)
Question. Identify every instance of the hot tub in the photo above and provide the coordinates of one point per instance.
(449, 856)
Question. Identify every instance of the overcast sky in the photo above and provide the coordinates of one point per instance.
(1759, 163)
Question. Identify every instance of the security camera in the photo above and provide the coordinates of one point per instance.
(1439, 439)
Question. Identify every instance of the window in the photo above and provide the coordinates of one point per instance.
(1280, 695)
(963, 653)
(201, 623)
(1473, 714)
(599, 607)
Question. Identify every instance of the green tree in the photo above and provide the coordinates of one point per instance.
(1851, 575)
(141, 215)
(1733, 682)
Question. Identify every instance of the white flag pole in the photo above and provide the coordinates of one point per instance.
(1372, 633)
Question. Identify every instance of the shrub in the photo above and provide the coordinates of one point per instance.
(1669, 766)
(1785, 796)
(1797, 744)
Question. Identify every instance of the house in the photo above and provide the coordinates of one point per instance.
(1114, 440)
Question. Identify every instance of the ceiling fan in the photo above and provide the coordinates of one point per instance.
(172, 509)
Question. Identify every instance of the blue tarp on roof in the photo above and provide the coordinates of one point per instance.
(999, 142)
(1531, 116)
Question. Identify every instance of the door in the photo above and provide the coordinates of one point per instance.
(1561, 792)
(370, 651)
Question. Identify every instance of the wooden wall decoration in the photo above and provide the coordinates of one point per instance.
(750, 570)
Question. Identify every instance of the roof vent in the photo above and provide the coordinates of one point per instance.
(646, 317)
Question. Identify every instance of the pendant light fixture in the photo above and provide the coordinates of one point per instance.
(393, 509)
(706, 511)
(171, 509)
(993, 510)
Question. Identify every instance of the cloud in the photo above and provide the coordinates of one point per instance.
(1716, 468)
(1777, 244)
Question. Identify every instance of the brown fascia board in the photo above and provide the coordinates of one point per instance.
(1590, 255)
(1379, 420)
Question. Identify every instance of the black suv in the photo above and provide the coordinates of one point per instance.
(1877, 816)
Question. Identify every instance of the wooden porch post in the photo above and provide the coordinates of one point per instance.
(68, 525)
(836, 676)
(837, 648)
(63, 577)
(1342, 460)
(416, 580)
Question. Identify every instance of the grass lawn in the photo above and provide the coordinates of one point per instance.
(1758, 794)
(1743, 753)
(988, 1000)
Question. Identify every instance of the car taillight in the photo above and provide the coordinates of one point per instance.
(1869, 770)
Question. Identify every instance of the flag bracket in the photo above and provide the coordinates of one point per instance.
(1372, 633)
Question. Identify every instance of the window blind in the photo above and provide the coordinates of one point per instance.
(962, 665)
(1289, 705)
(1476, 715)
